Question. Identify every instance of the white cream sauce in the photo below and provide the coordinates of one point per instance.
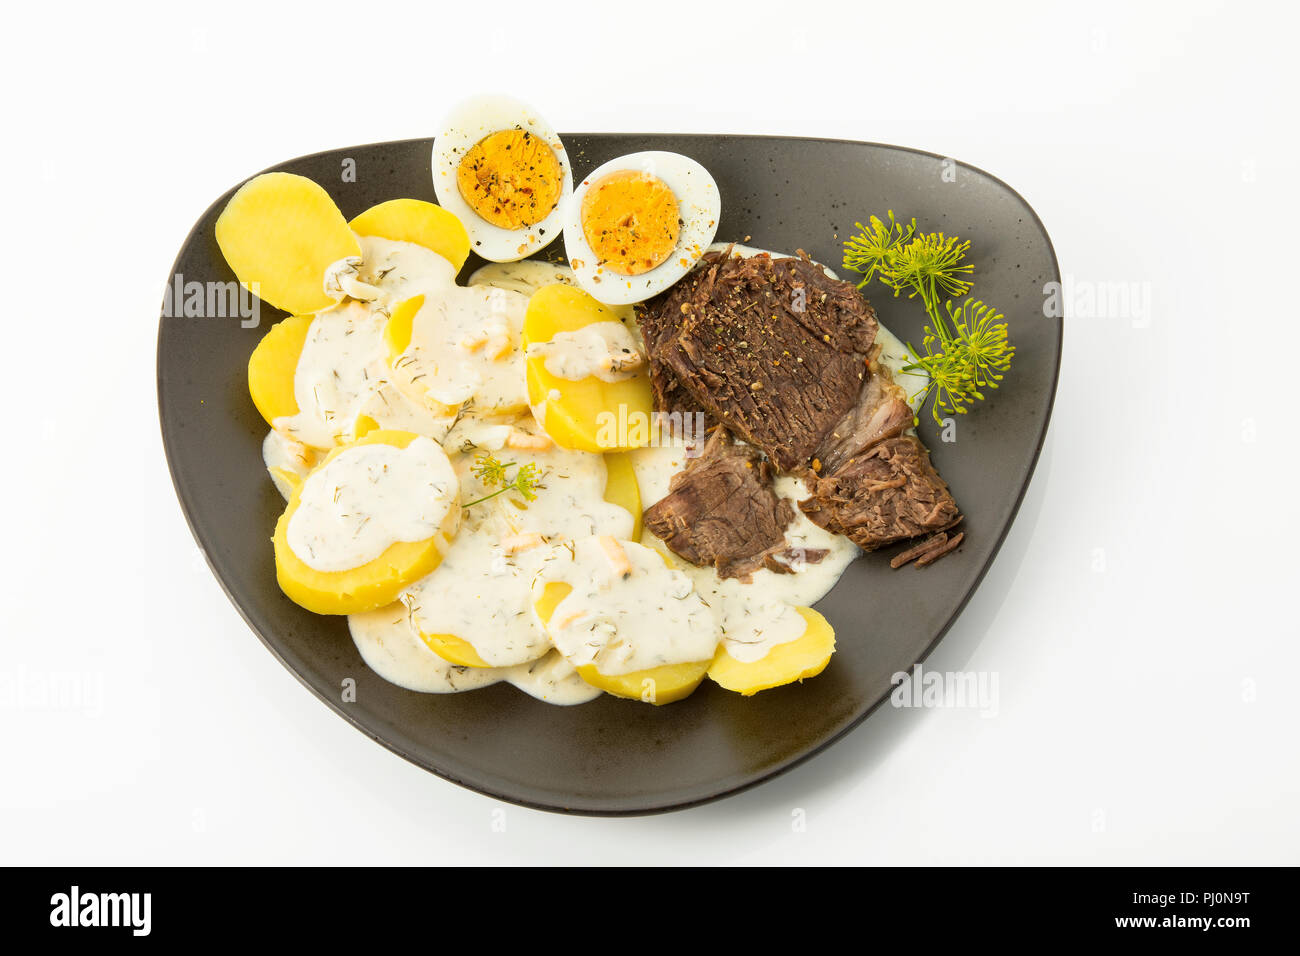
(481, 590)
(465, 344)
(552, 679)
(355, 507)
(391, 647)
(894, 357)
(529, 275)
(758, 614)
(524, 277)
(343, 279)
(343, 372)
(340, 365)
(605, 350)
(628, 611)
(285, 457)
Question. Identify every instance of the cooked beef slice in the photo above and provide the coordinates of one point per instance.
(721, 510)
(880, 412)
(887, 494)
(774, 349)
(658, 324)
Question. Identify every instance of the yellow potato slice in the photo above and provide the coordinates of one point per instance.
(364, 426)
(278, 233)
(784, 664)
(286, 482)
(622, 489)
(373, 584)
(272, 366)
(657, 685)
(455, 650)
(654, 685)
(413, 220)
(579, 417)
(397, 333)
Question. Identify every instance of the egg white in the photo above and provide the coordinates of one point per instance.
(466, 125)
(699, 207)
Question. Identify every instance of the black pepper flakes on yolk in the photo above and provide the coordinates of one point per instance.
(511, 178)
(630, 219)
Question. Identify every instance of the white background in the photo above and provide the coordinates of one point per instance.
(1140, 618)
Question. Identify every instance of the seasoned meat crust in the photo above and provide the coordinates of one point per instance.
(774, 349)
(722, 510)
(887, 494)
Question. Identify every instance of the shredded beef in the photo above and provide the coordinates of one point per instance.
(887, 494)
(928, 551)
(880, 412)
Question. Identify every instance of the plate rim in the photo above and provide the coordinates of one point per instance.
(664, 806)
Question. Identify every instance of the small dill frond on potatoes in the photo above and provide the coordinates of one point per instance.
(491, 471)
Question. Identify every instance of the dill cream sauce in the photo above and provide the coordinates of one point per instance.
(354, 508)
(390, 646)
(337, 372)
(287, 460)
(464, 344)
(605, 350)
(343, 372)
(480, 592)
(627, 610)
(756, 615)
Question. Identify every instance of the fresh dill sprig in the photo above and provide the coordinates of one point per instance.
(965, 353)
(489, 470)
(876, 248)
(492, 472)
(972, 356)
(930, 266)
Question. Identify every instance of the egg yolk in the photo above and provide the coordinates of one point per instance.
(630, 220)
(511, 178)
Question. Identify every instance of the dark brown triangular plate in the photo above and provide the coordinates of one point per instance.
(613, 756)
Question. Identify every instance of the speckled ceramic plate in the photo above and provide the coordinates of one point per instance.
(614, 756)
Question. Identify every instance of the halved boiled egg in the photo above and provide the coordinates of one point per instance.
(639, 223)
(502, 170)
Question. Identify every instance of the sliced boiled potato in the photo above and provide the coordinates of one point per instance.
(397, 333)
(806, 656)
(454, 650)
(654, 685)
(373, 584)
(272, 367)
(590, 415)
(622, 489)
(363, 426)
(279, 232)
(413, 220)
(286, 482)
